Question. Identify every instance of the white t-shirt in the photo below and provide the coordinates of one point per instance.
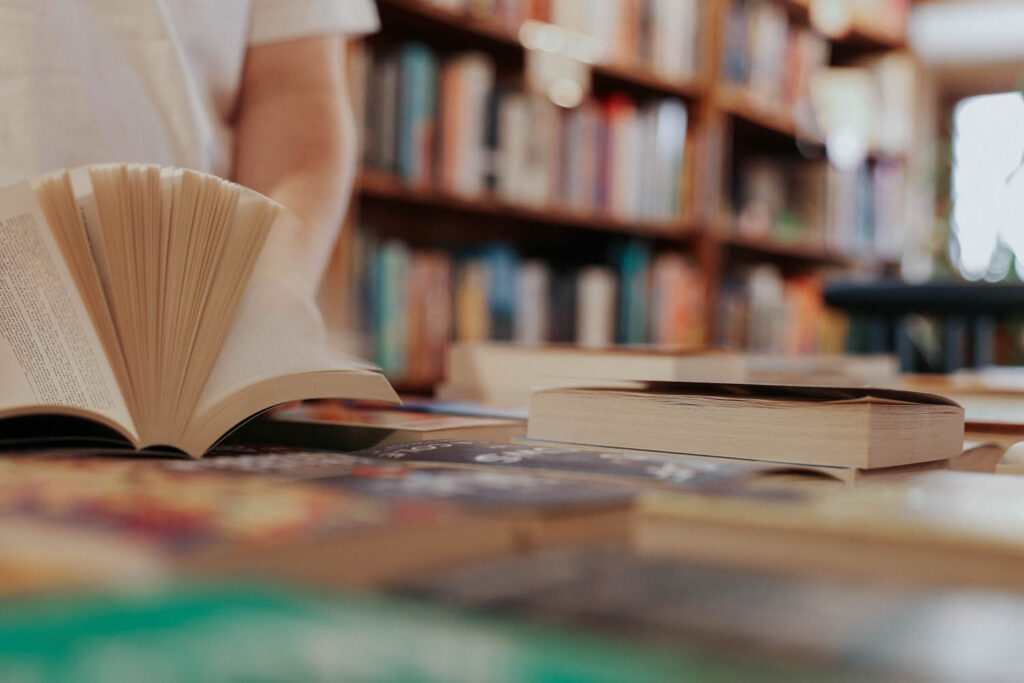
(86, 81)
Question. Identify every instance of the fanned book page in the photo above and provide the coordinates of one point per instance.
(132, 296)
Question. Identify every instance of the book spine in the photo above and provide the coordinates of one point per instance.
(456, 128)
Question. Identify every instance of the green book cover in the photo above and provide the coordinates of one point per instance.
(248, 633)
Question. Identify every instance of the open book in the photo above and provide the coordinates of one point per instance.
(135, 297)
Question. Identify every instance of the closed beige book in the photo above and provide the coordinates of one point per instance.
(818, 426)
(508, 373)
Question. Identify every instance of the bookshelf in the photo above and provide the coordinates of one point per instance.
(383, 187)
(727, 121)
(742, 104)
(423, 20)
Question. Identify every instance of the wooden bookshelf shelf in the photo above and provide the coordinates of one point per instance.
(857, 40)
(770, 249)
(386, 187)
(739, 102)
(644, 80)
(425, 18)
(730, 129)
(482, 31)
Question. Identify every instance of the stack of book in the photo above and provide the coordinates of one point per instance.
(868, 432)
(412, 302)
(449, 123)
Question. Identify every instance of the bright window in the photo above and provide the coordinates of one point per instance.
(988, 186)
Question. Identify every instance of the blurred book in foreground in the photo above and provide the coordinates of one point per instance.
(942, 528)
(839, 629)
(320, 518)
(257, 632)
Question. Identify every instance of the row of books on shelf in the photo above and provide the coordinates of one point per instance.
(783, 67)
(773, 60)
(763, 310)
(858, 212)
(451, 124)
(663, 35)
(412, 302)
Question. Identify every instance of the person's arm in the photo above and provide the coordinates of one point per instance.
(296, 143)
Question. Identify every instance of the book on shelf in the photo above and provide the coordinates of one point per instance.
(466, 88)
(863, 428)
(595, 319)
(661, 35)
(771, 61)
(783, 200)
(453, 125)
(412, 302)
(137, 301)
(417, 113)
(858, 211)
(532, 322)
(867, 111)
(764, 311)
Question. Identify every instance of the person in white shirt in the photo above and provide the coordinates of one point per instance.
(251, 90)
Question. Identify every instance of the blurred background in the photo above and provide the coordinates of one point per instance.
(780, 176)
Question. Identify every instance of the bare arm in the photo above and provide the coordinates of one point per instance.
(296, 144)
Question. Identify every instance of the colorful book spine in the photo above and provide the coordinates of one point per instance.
(418, 300)
(453, 127)
(417, 118)
(389, 273)
(633, 260)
